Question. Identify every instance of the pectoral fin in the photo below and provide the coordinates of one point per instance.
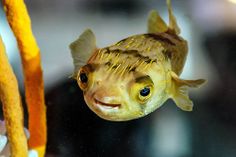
(155, 23)
(82, 48)
(179, 91)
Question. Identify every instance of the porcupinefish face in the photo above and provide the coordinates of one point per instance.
(121, 91)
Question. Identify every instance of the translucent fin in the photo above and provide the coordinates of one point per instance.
(172, 20)
(82, 48)
(155, 23)
(179, 91)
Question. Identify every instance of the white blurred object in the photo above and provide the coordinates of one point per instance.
(171, 135)
(232, 1)
(32, 153)
(3, 142)
(5, 147)
(214, 15)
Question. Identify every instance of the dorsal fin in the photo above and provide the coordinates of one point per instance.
(82, 48)
(155, 23)
(172, 20)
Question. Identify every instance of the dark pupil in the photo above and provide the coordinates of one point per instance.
(83, 77)
(145, 91)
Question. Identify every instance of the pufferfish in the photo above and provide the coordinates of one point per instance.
(136, 75)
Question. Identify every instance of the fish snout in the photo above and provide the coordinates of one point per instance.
(107, 96)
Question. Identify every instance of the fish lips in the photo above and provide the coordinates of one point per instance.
(106, 106)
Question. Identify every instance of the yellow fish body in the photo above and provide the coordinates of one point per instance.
(136, 75)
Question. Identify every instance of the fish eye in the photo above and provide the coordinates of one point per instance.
(142, 88)
(83, 78)
(145, 91)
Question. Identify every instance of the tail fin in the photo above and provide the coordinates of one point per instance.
(157, 25)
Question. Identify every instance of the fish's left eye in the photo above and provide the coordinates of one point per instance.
(144, 94)
(141, 90)
(145, 91)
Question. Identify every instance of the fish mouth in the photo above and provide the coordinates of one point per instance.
(103, 105)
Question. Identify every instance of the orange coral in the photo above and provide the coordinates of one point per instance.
(12, 108)
(19, 21)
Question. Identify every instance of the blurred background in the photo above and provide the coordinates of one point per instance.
(74, 131)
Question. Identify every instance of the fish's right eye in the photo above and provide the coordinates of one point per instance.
(83, 79)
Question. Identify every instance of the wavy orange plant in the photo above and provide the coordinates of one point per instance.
(20, 24)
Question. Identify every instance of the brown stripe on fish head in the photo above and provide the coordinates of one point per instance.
(124, 61)
(144, 78)
(108, 63)
(91, 67)
(174, 35)
(133, 54)
(159, 37)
